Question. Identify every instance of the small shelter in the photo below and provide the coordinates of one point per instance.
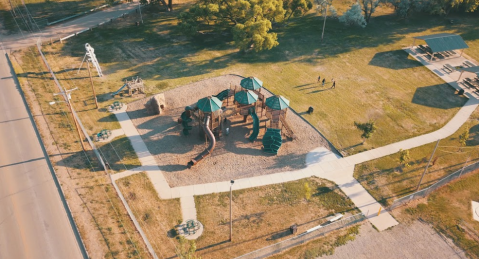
(210, 106)
(442, 42)
(251, 83)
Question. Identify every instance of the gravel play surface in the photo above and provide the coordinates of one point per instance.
(234, 156)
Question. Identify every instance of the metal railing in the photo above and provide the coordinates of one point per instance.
(302, 238)
(425, 192)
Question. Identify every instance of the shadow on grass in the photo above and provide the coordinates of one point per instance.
(394, 59)
(427, 96)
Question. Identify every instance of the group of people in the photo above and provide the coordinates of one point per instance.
(324, 81)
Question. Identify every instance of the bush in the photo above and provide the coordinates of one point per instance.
(354, 16)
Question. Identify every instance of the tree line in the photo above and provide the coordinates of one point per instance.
(251, 21)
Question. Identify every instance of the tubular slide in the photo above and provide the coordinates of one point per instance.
(255, 118)
(210, 147)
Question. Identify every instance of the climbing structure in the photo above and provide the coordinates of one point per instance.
(185, 119)
(272, 141)
(136, 85)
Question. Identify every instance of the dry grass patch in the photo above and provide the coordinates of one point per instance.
(118, 234)
(449, 211)
(157, 217)
(262, 216)
(387, 180)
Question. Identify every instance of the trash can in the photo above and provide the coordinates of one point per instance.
(293, 229)
(460, 92)
(310, 110)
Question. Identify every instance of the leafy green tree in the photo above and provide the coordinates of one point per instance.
(186, 249)
(296, 8)
(369, 7)
(250, 21)
(353, 16)
(368, 128)
(404, 158)
(464, 137)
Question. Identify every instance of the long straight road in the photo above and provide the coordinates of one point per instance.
(19, 41)
(33, 220)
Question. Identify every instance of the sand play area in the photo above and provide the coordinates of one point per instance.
(234, 156)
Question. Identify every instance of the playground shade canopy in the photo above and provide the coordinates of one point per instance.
(277, 102)
(209, 104)
(251, 83)
(443, 42)
(470, 69)
(246, 97)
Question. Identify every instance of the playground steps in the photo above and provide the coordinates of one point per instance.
(272, 140)
(289, 131)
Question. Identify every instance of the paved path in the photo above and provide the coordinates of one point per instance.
(407, 241)
(33, 221)
(19, 41)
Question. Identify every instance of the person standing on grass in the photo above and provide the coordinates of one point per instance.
(319, 78)
(324, 81)
(334, 85)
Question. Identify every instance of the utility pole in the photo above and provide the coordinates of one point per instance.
(428, 162)
(67, 95)
(91, 81)
(325, 16)
(231, 210)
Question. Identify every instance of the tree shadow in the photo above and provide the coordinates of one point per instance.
(427, 96)
(394, 59)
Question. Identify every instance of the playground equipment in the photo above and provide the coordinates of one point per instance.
(210, 147)
(90, 53)
(134, 86)
(185, 119)
(276, 111)
(272, 140)
(156, 104)
(210, 114)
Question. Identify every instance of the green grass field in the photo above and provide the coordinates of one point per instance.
(376, 80)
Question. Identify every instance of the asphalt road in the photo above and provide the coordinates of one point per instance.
(33, 220)
(19, 41)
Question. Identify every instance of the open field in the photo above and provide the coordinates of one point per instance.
(376, 79)
(386, 180)
(156, 217)
(262, 216)
(449, 211)
(234, 156)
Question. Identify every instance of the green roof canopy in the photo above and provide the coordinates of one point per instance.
(209, 104)
(246, 97)
(470, 69)
(277, 102)
(443, 42)
(251, 83)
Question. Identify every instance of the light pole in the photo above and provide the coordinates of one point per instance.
(67, 95)
(139, 7)
(231, 210)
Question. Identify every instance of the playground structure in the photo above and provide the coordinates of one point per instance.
(212, 112)
(136, 85)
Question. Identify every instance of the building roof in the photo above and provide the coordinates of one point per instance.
(443, 42)
(470, 69)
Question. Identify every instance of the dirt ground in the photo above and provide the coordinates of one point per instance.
(234, 156)
(415, 240)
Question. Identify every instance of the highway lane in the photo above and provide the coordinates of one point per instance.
(33, 220)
